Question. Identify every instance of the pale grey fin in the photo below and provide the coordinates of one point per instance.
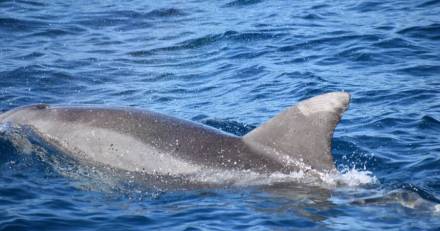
(303, 132)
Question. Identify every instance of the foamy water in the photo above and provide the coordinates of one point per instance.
(351, 177)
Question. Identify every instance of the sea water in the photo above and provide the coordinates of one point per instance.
(230, 65)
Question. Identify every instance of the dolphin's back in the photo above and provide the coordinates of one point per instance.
(134, 139)
(143, 140)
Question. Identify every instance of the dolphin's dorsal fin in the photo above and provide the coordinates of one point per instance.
(303, 132)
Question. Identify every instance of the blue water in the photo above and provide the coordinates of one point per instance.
(231, 65)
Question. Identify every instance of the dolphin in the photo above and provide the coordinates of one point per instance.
(139, 140)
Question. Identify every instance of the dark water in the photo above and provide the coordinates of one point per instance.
(231, 65)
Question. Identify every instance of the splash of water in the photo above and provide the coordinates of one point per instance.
(351, 177)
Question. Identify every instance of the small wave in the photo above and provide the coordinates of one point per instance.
(428, 32)
(210, 40)
(126, 19)
(168, 12)
(16, 194)
(394, 43)
(14, 24)
(232, 127)
(242, 3)
(330, 41)
(405, 197)
(31, 55)
(28, 3)
(420, 70)
(429, 123)
(367, 6)
(51, 33)
(312, 16)
(430, 3)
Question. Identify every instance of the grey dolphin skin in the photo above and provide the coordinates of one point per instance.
(138, 140)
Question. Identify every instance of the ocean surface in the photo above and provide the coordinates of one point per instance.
(230, 65)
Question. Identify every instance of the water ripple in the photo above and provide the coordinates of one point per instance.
(232, 65)
(428, 31)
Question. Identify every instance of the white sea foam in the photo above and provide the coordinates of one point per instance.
(351, 178)
(246, 178)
